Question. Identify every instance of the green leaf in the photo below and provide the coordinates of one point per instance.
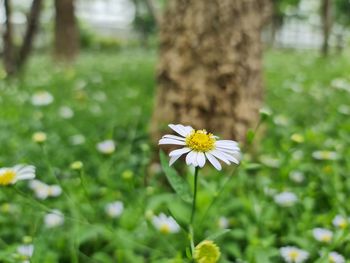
(178, 183)
(218, 234)
(250, 136)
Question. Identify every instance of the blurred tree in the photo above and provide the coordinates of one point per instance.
(209, 73)
(326, 16)
(15, 57)
(342, 17)
(66, 31)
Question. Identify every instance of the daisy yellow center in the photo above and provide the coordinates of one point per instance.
(326, 238)
(343, 224)
(164, 228)
(294, 255)
(200, 141)
(7, 177)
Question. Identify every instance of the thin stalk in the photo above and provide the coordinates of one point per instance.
(190, 228)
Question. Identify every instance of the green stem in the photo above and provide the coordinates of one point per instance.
(191, 229)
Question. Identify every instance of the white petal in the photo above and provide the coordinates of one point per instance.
(170, 136)
(173, 159)
(201, 159)
(191, 158)
(171, 141)
(213, 161)
(179, 151)
(220, 156)
(226, 142)
(180, 129)
(26, 176)
(228, 156)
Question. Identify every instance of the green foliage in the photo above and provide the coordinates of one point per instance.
(112, 96)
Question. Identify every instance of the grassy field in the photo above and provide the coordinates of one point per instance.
(302, 149)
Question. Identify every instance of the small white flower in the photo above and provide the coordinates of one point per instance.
(77, 139)
(43, 191)
(335, 257)
(16, 173)
(66, 112)
(42, 98)
(297, 177)
(106, 147)
(200, 145)
(54, 219)
(322, 235)
(286, 199)
(114, 209)
(223, 222)
(340, 221)
(325, 155)
(26, 250)
(293, 254)
(165, 224)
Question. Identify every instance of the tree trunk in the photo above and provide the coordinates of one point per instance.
(326, 15)
(9, 49)
(32, 26)
(209, 73)
(66, 31)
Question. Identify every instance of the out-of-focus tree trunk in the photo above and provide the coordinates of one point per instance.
(14, 58)
(326, 16)
(32, 26)
(66, 31)
(209, 71)
(9, 49)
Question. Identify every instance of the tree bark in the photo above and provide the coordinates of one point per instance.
(9, 49)
(326, 15)
(209, 72)
(32, 27)
(66, 31)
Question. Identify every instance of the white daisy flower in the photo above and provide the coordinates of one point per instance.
(26, 250)
(16, 173)
(165, 224)
(66, 112)
(200, 145)
(42, 98)
(43, 191)
(340, 221)
(114, 209)
(322, 235)
(77, 139)
(223, 222)
(54, 219)
(39, 137)
(335, 257)
(325, 155)
(106, 147)
(293, 254)
(285, 199)
(297, 177)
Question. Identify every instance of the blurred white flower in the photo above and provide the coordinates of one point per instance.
(13, 174)
(77, 139)
(297, 177)
(281, 120)
(54, 219)
(26, 251)
(43, 191)
(293, 254)
(344, 109)
(99, 96)
(223, 222)
(341, 84)
(270, 161)
(335, 257)
(66, 112)
(322, 235)
(106, 147)
(42, 98)
(199, 145)
(39, 137)
(286, 199)
(114, 209)
(340, 221)
(324, 155)
(165, 224)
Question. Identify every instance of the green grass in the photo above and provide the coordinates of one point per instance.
(112, 97)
